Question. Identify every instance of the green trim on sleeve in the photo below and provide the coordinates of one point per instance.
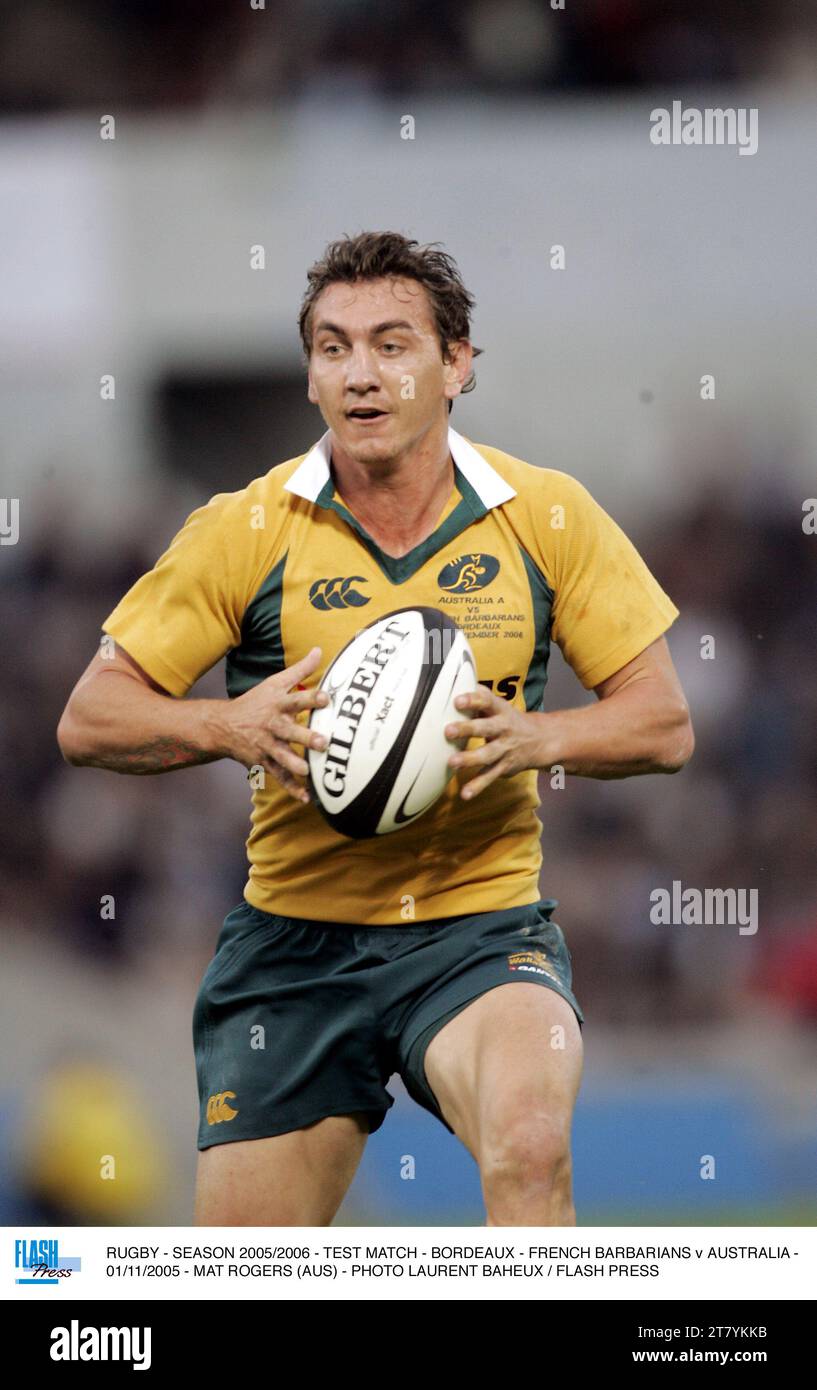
(542, 596)
(261, 651)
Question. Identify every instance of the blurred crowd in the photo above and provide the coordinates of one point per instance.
(741, 815)
(134, 871)
(227, 53)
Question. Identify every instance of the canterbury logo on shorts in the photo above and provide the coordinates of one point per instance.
(218, 1109)
(337, 593)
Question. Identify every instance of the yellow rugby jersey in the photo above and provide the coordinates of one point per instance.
(521, 556)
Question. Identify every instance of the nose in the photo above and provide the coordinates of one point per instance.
(361, 370)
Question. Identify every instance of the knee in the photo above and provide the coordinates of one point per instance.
(526, 1157)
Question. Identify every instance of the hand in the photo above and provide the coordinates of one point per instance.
(261, 725)
(513, 739)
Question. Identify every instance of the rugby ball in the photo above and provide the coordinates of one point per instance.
(391, 692)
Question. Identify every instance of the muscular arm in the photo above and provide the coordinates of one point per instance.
(640, 724)
(120, 719)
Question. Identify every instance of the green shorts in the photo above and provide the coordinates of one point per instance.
(296, 1020)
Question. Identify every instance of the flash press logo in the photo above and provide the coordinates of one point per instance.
(75, 1343)
(40, 1262)
(695, 907)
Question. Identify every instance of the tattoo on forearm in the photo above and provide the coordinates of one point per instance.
(159, 755)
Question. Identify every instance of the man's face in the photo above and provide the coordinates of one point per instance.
(376, 368)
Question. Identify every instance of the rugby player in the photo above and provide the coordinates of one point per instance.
(429, 952)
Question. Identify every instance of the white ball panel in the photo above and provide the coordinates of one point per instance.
(374, 683)
(372, 691)
(424, 773)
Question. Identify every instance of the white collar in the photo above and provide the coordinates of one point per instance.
(312, 474)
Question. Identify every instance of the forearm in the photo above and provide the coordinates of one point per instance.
(116, 722)
(629, 733)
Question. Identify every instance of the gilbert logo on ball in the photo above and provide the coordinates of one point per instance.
(392, 691)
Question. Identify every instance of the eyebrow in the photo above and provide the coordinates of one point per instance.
(387, 327)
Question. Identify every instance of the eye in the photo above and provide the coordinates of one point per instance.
(387, 346)
(331, 349)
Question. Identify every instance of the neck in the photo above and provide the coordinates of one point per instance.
(399, 500)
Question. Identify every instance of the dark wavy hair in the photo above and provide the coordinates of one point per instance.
(373, 255)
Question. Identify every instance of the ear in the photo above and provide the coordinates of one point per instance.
(460, 355)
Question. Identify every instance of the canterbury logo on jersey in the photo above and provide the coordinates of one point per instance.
(218, 1109)
(338, 592)
(468, 572)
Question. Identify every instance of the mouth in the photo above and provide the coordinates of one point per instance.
(365, 415)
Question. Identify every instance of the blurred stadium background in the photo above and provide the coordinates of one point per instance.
(281, 127)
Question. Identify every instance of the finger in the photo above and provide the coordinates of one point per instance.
(299, 669)
(485, 756)
(478, 784)
(297, 789)
(289, 731)
(304, 699)
(479, 701)
(491, 727)
(282, 754)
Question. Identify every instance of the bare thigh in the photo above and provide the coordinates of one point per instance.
(514, 1053)
(295, 1179)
